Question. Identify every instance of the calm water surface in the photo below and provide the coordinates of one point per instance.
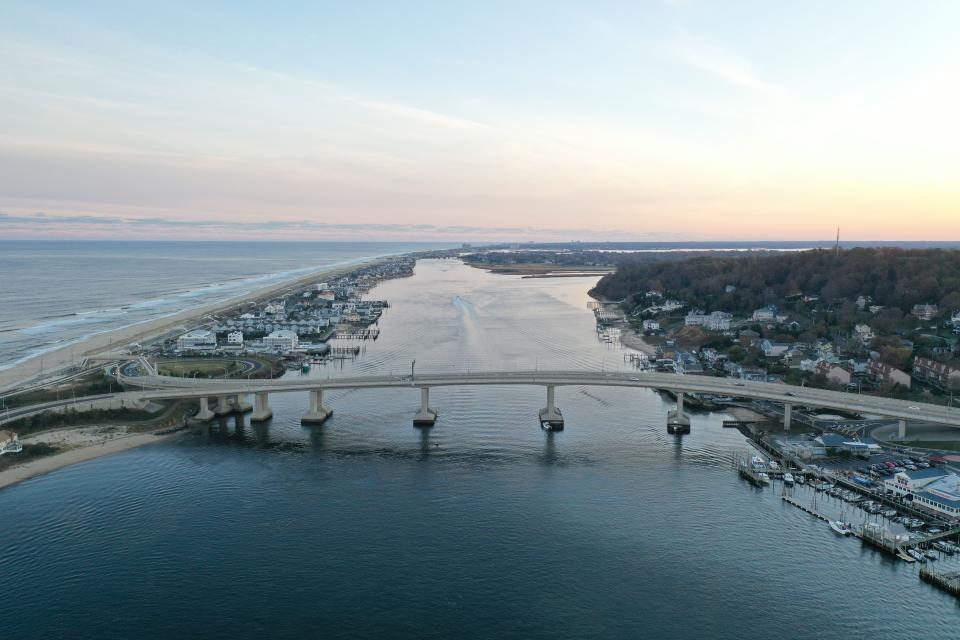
(482, 527)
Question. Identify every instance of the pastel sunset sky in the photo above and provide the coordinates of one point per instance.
(547, 120)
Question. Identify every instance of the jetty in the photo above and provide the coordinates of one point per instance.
(948, 581)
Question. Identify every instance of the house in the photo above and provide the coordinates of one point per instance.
(282, 340)
(9, 442)
(935, 373)
(924, 311)
(863, 333)
(687, 363)
(651, 325)
(748, 337)
(272, 309)
(885, 374)
(716, 321)
(833, 373)
(935, 489)
(752, 374)
(197, 340)
(773, 349)
(765, 314)
(235, 338)
(730, 288)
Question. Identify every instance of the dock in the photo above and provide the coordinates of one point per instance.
(948, 581)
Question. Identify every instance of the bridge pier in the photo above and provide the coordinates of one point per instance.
(902, 429)
(205, 414)
(787, 415)
(426, 417)
(261, 410)
(551, 417)
(223, 406)
(677, 420)
(240, 406)
(319, 412)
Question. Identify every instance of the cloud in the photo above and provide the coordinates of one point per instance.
(717, 61)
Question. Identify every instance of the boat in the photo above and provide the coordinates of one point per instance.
(916, 555)
(788, 478)
(763, 477)
(930, 553)
(800, 480)
(757, 462)
(840, 527)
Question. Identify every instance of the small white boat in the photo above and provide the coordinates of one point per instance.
(916, 555)
(840, 527)
(800, 480)
(930, 553)
(788, 479)
(757, 462)
(764, 478)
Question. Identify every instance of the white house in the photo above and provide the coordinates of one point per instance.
(773, 349)
(272, 309)
(281, 340)
(9, 443)
(716, 321)
(235, 337)
(197, 340)
(766, 314)
(651, 325)
(863, 333)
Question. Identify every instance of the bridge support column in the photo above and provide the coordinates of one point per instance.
(319, 412)
(551, 418)
(261, 409)
(426, 417)
(787, 416)
(902, 429)
(240, 406)
(678, 421)
(223, 406)
(204, 415)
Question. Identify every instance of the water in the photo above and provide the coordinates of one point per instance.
(366, 528)
(55, 293)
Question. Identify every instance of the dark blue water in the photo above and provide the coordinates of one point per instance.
(55, 293)
(482, 527)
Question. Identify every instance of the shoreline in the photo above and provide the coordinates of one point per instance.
(47, 464)
(59, 359)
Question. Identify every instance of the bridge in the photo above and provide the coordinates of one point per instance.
(229, 393)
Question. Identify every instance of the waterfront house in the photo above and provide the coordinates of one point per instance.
(9, 442)
(282, 340)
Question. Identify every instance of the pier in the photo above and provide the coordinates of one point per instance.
(948, 581)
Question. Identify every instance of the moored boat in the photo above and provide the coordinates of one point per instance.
(839, 527)
(788, 479)
(763, 477)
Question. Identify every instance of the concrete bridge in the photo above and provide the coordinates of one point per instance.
(229, 394)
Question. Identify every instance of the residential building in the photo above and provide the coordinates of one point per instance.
(935, 373)
(687, 363)
(197, 340)
(863, 333)
(282, 340)
(9, 442)
(834, 374)
(716, 321)
(925, 311)
(885, 374)
(651, 325)
(773, 349)
(765, 314)
(235, 338)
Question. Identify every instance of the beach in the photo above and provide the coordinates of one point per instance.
(121, 337)
(85, 446)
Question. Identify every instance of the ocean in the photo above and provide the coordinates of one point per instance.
(483, 526)
(56, 293)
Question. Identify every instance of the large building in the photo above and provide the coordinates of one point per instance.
(885, 374)
(716, 321)
(935, 373)
(925, 311)
(933, 489)
(9, 443)
(282, 340)
(197, 340)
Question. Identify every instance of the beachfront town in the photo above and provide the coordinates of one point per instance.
(777, 346)
(300, 322)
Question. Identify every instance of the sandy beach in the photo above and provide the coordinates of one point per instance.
(88, 443)
(101, 343)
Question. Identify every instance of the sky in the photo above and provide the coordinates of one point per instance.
(480, 121)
